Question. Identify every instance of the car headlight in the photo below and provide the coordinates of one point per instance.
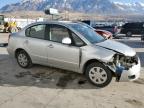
(125, 61)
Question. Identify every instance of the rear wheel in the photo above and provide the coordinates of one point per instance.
(23, 59)
(98, 74)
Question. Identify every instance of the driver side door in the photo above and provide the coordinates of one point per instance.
(61, 55)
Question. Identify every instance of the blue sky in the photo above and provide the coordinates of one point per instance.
(4, 2)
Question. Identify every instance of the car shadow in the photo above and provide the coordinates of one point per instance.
(12, 75)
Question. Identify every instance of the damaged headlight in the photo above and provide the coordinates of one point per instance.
(121, 62)
(125, 61)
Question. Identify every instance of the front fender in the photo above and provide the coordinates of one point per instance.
(96, 53)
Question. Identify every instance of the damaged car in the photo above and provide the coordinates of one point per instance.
(76, 47)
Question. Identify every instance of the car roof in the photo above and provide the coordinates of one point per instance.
(55, 22)
(63, 23)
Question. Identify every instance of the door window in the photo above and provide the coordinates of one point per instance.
(58, 33)
(77, 41)
(37, 31)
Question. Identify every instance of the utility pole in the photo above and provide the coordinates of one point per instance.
(65, 8)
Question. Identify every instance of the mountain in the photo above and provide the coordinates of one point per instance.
(74, 5)
(88, 6)
(136, 7)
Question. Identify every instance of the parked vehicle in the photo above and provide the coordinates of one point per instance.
(130, 29)
(76, 47)
(113, 27)
(104, 33)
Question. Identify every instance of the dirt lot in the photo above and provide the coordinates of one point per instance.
(45, 87)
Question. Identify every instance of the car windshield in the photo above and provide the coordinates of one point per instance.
(87, 32)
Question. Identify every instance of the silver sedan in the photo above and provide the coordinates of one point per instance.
(76, 47)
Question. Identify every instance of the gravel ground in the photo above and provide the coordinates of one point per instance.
(46, 87)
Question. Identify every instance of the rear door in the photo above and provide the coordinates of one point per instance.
(35, 43)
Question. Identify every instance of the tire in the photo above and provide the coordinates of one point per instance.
(99, 78)
(129, 34)
(23, 59)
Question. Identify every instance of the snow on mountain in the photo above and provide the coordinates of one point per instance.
(133, 7)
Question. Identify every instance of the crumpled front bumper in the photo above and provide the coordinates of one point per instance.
(132, 74)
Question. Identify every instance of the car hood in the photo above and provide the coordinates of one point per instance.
(117, 46)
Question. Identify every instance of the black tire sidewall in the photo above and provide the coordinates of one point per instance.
(28, 58)
(109, 74)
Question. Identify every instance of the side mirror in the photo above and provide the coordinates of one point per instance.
(66, 41)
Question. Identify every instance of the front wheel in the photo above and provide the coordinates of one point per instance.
(98, 74)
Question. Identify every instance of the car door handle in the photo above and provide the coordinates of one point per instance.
(50, 46)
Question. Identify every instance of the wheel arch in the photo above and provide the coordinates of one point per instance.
(92, 61)
(89, 62)
(18, 50)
